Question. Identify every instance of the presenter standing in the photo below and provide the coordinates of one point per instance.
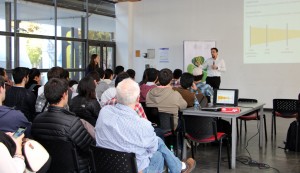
(214, 66)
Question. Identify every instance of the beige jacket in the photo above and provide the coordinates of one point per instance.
(166, 100)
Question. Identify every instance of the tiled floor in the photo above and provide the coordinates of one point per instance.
(270, 154)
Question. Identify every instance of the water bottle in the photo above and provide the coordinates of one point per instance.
(211, 101)
(172, 149)
(196, 103)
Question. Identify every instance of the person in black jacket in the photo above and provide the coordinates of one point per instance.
(18, 96)
(34, 81)
(93, 65)
(57, 123)
(85, 104)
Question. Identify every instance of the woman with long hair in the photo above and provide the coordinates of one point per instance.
(85, 104)
(94, 64)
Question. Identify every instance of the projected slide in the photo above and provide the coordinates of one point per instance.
(271, 31)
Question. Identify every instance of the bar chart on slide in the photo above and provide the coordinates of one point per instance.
(271, 31)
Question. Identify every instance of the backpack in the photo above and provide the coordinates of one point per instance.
(41, 103)
(202, 100)
(31, 87)
(292, 137)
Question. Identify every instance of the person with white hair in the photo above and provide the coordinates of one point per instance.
(120, 128)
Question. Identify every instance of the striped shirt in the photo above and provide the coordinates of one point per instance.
(120, 128)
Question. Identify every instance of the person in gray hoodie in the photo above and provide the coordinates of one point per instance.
(164, 97)
(11, 119)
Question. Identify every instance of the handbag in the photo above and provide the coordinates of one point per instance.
(35, 155)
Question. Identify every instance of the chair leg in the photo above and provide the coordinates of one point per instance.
(220, 152)
(245, 126)
(265, 124)
(297, 138)
(177, 143)
(241, 128)
(192, 146)
(228, 153)
(237, 128)
(275, 125)
(272, 126)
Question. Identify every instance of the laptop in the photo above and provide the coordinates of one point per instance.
(222, 98)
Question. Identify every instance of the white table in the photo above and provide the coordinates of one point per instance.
(245, 108)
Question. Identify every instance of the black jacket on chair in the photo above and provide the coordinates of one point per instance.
(59, 124)
(87, 109)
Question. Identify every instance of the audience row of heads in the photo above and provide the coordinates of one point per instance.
(22, 73)
(110, 74)
(86, 86)
(164, 76)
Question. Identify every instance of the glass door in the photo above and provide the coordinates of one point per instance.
(107, 54)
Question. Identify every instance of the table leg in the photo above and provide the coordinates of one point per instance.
(261, 127)
(233, 143)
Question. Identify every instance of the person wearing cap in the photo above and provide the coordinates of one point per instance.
(205, 89)
(214, 66)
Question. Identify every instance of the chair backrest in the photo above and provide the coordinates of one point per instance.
(63, 156)
(152, 114)
(166, 121)
(107, 160)
(247, 100)
(285, 106)
(199, 127)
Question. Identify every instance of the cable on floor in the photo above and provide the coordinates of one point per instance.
(247, 160)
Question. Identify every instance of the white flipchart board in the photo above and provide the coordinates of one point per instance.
(193, 49)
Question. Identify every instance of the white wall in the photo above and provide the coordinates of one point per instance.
(167, 23)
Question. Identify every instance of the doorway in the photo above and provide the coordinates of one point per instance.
(107, 54)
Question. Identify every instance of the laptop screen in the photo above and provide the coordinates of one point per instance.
(227, 97)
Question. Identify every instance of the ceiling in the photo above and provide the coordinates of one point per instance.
(100, 7)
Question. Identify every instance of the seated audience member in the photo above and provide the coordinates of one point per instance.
(145, 78)
(18, 96)
(119, 69)
(187, 83)
(34, 81)
(8, 82)
(10, 119)
(11, 159)
(55, 72)
(111, 93)
(85, 104)
(95, 75)
(102, 85)
(164, 97)
(205, 89)
(176, 78)
(73, 84)
(108, 76)
(131, 73)
(57, 123)
(151, 79)
(120, 128)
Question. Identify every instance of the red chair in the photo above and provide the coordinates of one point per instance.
(250, 116)
(284, 108)
(204, 130)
